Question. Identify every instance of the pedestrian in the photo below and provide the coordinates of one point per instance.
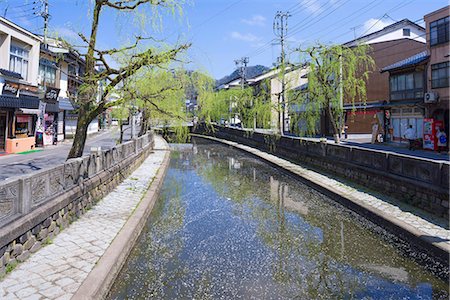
(375, 128)
(441, 139)
(410, 135)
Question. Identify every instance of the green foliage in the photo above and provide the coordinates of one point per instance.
(249, 104)
(11, 266)
(335, 72)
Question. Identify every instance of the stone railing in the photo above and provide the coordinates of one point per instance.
(24, 194)
(420, 182)
(35, 207)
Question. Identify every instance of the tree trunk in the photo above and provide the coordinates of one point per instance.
(336, 132)
(144, 122)
(121, 131)
(79, 139)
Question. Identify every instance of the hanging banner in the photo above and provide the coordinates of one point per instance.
(40, 117)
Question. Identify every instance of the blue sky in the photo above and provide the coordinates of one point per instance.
(221, 31)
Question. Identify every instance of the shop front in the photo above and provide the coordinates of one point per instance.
(50, 128)
(18, 114)
(403, 117)
(3, 131)
(22, 130)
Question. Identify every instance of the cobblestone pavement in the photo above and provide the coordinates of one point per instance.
(57, 270)
(388, 208)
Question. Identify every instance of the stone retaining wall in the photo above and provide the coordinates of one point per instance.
(420, 182)
(34, 208)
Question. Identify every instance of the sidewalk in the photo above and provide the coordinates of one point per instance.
(57, 270)
(363, 141)
(427, 228)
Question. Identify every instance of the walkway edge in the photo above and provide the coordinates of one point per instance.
(416, 237)
(99, 281)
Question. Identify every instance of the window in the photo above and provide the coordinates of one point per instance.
(406, 32)
(407, 86)
(18, 60)
(440, 75)
(47, 72)
(24, 126)
(439, 31)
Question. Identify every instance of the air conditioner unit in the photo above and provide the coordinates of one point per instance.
(431, 97)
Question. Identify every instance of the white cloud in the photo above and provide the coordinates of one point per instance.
(65, 33)
(256, 20)
(373, 25)
(312, 6)
(246, 37)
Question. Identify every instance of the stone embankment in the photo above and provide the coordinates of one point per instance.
(419, 182)
(36, 207)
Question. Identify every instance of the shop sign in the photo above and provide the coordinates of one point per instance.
(10, 88)
(51, 95)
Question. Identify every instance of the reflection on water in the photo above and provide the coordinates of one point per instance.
(228, 226)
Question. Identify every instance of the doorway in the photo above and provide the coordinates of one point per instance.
(2, 131)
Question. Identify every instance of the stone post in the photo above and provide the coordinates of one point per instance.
(25, 195)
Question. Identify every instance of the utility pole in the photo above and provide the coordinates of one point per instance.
(280, 28)
(45, 15)
(241, 65)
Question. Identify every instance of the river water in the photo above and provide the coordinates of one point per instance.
(229, 226)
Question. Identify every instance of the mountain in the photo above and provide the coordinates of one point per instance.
(252, 71)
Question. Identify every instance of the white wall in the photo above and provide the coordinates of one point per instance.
(10, 31)
(293, 80)
(70, 127)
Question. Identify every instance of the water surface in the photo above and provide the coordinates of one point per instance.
(229, 226)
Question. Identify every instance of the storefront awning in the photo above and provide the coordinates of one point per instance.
(29, 111)
(359, 106)
(380, 105)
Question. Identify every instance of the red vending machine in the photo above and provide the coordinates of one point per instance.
(430, 127)
(429, 134)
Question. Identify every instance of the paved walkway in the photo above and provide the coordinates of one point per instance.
(432, 231)
(364, 143)
(57, 270)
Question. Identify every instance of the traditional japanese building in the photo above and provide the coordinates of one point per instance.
(19, 102)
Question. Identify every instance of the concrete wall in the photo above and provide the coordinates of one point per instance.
(35, 207)
(420, 182)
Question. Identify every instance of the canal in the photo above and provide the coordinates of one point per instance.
(230, 226)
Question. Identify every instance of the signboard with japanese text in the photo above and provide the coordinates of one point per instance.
(51, 95)
(10, 88)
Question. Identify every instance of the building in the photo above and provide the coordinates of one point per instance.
(438, 69)
(389, 45)
(19, 102)
(407, 88)
(419, 84)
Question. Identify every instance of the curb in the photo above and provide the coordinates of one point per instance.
(414, 236)
(99, 281)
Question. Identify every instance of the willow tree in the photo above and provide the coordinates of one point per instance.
(335, 72)
(250, 105)
(89, 102)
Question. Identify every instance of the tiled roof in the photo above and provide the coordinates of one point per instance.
(408, 62)
(10, 74)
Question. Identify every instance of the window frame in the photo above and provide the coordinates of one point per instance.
(19, 54)
(46, 66)
(435, 28)
(435, 68)
(398, 93)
